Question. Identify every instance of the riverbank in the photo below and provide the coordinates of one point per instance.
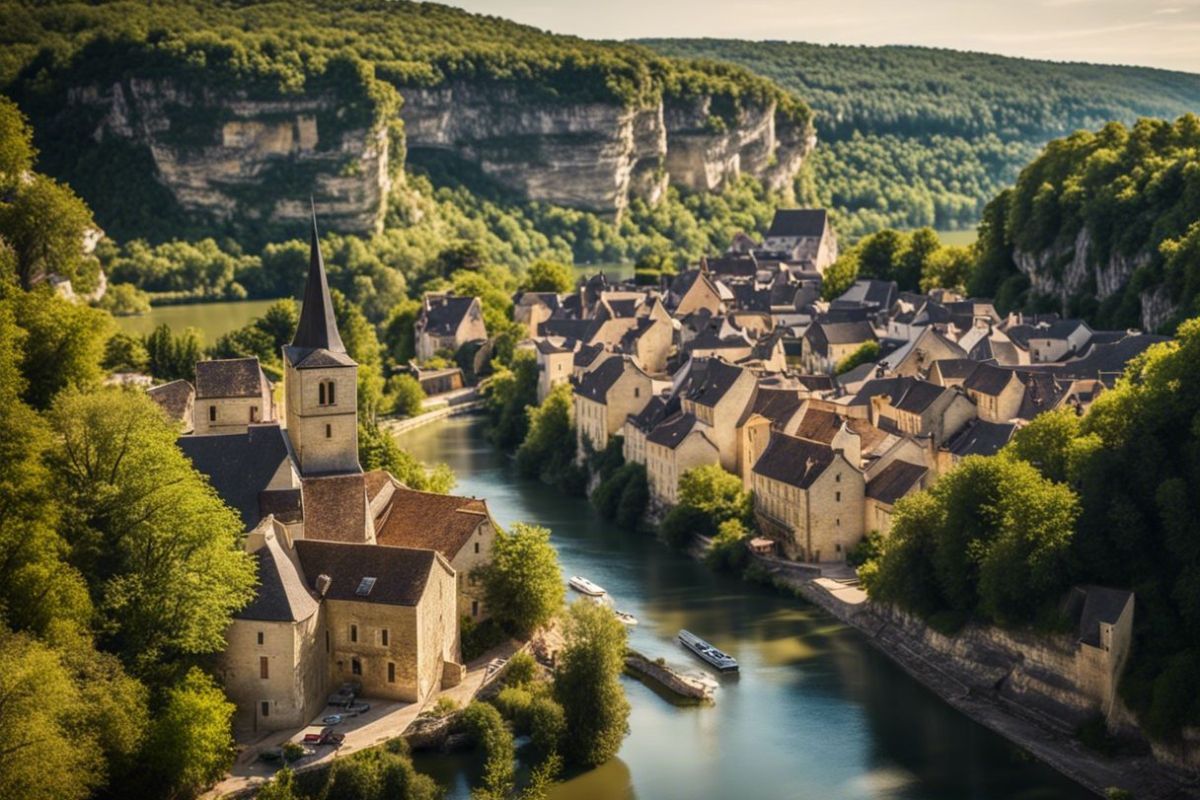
(958, 685)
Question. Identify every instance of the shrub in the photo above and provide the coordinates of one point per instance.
(608, 495)
(483, 722)
(408, 395)
(547, 725)
(524, 583)
(866, 353)
(867, 549)
(728, 551)
(635, 497)
(444, 707)
(588, 686)
(293, 751)
(683, 524)
(479, 637)
(521, 669)
(514, 704)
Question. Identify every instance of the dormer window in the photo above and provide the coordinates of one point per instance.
(326, 394)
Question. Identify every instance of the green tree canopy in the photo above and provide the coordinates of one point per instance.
(587, 684)
(544, 275)
(524, 583)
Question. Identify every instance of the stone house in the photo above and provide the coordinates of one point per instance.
(606, 396)
(1104, 638)
(915, 357)
(898, 479)
(809, 498)
(650, 342)
(447, 322)
(977, 438)
(998, 393)
(769, 409)
(638, 426)
(825, 344)
(531, 309)
(177, 399)
(695, 290)
(1058, 340)
(555, 363)
(915, 407)
(231, 394)
(461, 529)
(803, 235)
(717, 396)
(676, 445)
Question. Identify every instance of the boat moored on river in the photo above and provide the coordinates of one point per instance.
(716, 658)
(584, 586)
(626, 618)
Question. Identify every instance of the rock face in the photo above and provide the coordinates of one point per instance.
(240, 159)
(229, 157)
(1069, 271)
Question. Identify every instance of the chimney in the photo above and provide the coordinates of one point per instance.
(323, 584)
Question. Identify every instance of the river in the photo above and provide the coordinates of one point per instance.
(816, 712)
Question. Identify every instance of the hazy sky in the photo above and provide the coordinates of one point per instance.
(1160, 33)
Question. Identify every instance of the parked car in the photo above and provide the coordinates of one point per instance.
(333, 719)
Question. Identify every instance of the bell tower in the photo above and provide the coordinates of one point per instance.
(321, 382)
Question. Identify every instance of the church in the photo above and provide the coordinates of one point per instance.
(360, 579)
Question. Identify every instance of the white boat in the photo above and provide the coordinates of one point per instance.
(722, 661)
(585, 586)
(626, 618)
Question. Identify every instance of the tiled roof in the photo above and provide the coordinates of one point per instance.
(175, 399)
(841, 332)
(988, 379)
(445, 313)
(596, 384)
(796, 462)
(335, 507)
(655, 412)
(777, 405)
(670, 432)
(229, 377)
(719, 378)
(981, 438)
(400, 573)
(282, 595)
(895, 481)
(798, 222)
(239, 466)
(819, 425)
(439, 522)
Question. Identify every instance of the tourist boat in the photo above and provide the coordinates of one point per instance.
(626, 617)
(586, 587)
(722, 661)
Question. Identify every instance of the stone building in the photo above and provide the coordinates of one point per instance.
(606, 396)
(803, 235)
(898, 479)
(717, 396)
(825, 344)
(177, 399)
(676, 445)
(809, 498)
(555, 363)
(447, 322)
(231, 394)
(356, 581)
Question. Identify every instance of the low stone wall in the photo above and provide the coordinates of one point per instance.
(683, 686)
(397, 426)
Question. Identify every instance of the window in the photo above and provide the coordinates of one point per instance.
(354, 633)
(384, 638)
(254, 413)
(264, 667)
(477, 547)
(212, 413)
(637, 392)
(355, 666)
(265, 707)
(837, 497)
(474, 608)
(326, 393)
(260, 637)
(391, 672)
(328, 431)
(837, 478)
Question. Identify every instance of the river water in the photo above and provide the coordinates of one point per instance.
(816, 712)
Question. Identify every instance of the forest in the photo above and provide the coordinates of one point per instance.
(914, 136)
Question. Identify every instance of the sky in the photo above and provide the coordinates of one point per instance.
(1156, 33)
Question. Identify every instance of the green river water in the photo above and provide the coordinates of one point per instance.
(816, 712)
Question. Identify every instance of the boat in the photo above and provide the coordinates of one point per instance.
(585, 586)
(626, 618)
(722, 661)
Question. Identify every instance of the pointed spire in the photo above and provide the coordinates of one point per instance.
(318, 327)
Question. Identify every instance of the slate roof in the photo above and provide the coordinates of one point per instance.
(871, 293)
(777, 405)
(981, 438)
(719, 378)
(791, 222)
(733, 264)
(1107, 362)
(282, 595)
(817, 383)
(595, 384)
(956, 368)
(239, 466)
(175, 399)
(586, 354)
(1042, 393)
(988, 379)
(425, 520)
(656, 410)
(445, 313)
(580, 329)
(1059, 329)
(673, 430)
(796, 462)
(827, 333)
(230, 377)
(907, 394)
(819, 425)
(400, 572)
(317, 328)
(894, 481)
(335, 507)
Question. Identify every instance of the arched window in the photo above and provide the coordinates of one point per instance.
(326, 395)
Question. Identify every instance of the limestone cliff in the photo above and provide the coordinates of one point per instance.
(236, 158)
(1070, 271)
(240, 159)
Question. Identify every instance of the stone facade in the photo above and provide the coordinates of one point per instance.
(665, 464)
(322, 417)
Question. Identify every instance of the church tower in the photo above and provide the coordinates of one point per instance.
(321, 382)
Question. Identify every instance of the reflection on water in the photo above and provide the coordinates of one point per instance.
(816, 712)
(212, 319)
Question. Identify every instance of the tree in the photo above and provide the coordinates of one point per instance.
(587, 684)
(16, 144)
(544, 275)
(47, 752)
(377, 449)
(728, 551)
(483, 722)
(408, 395)
(866, 353)
(717, 493)
(548, 449)
(174, 357)
(160, 551)
(124, 299)
(64, 346)
(524, 584)
(124, 352)
(362, 345)
(511, 391)
(683, 523)
(948, 268)
(190, 745)
(399, 334)
(44, 222)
